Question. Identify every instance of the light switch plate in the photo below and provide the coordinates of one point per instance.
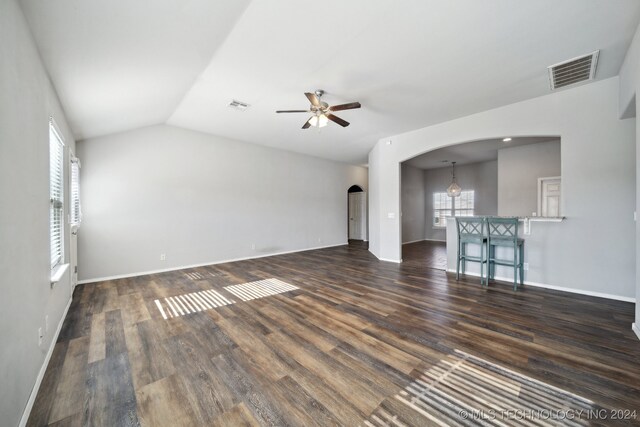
(391, 215)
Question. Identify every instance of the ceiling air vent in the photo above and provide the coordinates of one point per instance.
(576, 70)
(237, 105)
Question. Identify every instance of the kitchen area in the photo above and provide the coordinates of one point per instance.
(514, 177)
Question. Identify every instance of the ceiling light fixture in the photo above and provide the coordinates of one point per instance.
(506, 140)
(319, 121)
(454, 189)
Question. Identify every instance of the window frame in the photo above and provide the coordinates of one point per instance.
(56, 196)
(453, 208)
(75, 203)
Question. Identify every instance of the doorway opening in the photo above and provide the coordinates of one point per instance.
(356, 214)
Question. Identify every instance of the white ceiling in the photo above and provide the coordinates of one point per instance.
(471, 152)
(120, 64)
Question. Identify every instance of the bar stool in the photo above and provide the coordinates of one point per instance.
(471, 230)
(503, 232)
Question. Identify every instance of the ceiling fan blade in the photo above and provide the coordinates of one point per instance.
(293, 111)
(338, 120)
(349, 106)
(307, 124)
(313, 99)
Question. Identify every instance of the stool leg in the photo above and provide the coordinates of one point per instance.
(515, 267)
(481, 264)
(491, 265)
(458, 262)
(522, 265)
(464, 258)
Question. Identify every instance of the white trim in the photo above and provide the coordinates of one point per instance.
(144, 273)
(390, 260)
(636, 329)
(558, 288)
(424, 240)
(43, 369)
(413, 241)
(57, 272)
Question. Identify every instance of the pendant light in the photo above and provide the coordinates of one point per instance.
(454, 189)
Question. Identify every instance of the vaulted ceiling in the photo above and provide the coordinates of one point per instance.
(122, 64)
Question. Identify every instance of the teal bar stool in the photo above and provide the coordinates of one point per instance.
(471, 230)
(503, 232)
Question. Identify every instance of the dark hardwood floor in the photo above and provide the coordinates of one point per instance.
(426, 253)
(359, 342)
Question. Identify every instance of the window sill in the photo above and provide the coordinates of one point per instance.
(57, 273)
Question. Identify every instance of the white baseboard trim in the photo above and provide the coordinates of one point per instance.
(165, 270)
(424, 240)
(636, 329)
(413, 241)
(390, 260)
(559, 288)
(43, 369)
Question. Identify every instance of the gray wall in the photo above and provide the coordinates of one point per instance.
(480, 177)
(598, 156)
(201, 199)
(26, 102)
(413, 204)
(518, 171)
(630, 101)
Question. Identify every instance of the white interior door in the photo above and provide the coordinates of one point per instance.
(550, 196)
(358, 216)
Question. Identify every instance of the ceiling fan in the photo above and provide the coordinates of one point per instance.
(322, 112)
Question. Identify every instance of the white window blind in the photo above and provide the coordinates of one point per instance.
(56, 194)
(442, 206)
(74, 196)
(445, 206)
(464, 205)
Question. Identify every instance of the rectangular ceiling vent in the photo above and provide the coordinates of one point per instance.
(237, 105)
(576, 70)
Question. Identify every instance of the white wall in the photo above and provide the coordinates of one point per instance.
(518, 171)
(481, 177)
(598, 157)
(630, 78)
(628, 107)
(413, 204)
(26, 102)
(202, 199)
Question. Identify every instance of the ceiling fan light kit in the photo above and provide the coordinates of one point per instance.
(322, 112)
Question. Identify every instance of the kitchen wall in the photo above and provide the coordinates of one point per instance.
(28, 301)
(481, 177)
(518, 171)
(201, 199)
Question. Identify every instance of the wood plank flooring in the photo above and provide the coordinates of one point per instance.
(349, 347)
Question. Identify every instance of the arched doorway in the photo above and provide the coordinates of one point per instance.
(357, 213)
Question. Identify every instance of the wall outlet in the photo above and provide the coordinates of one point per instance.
(46, 323)
(163, 257)
(40, 336)
(526, 266)
(253, 246)
(319, 239)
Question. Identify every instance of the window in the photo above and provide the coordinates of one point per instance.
(75, 215)
(442, 206)
(445, 206)
(56, 195)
